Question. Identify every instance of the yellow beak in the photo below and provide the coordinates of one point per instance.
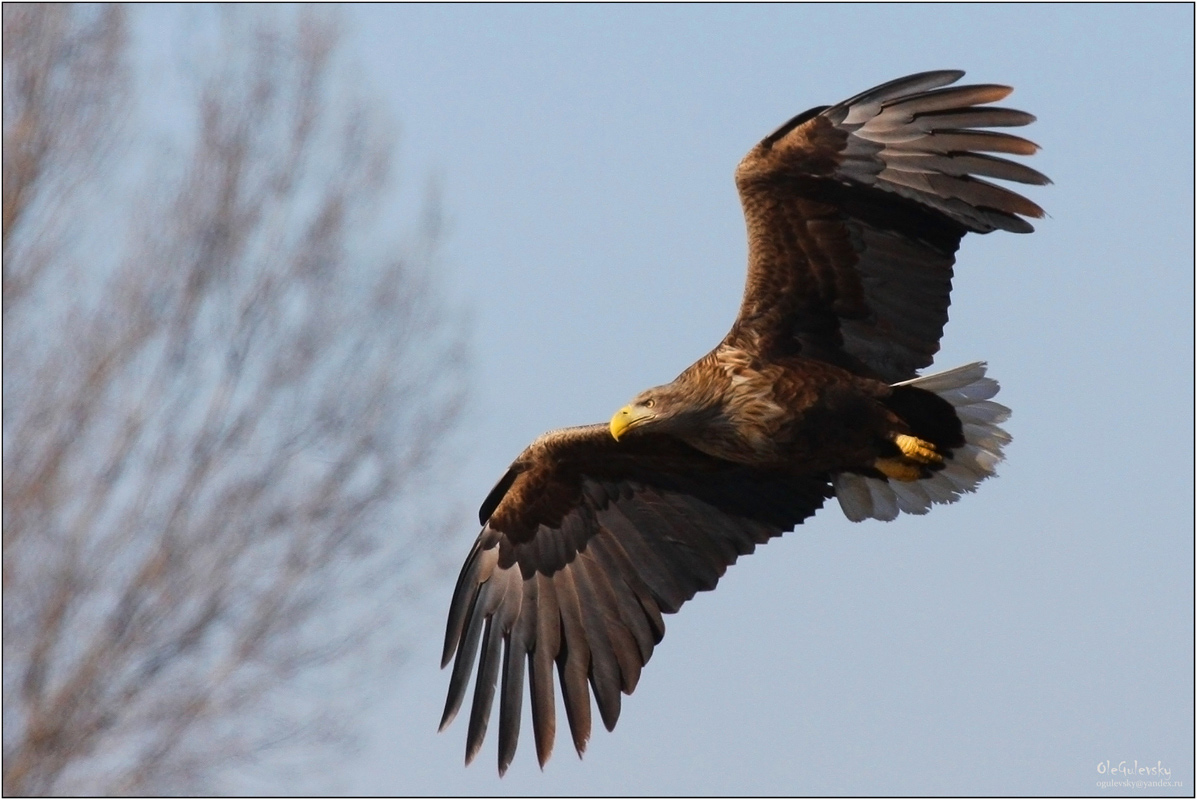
(622, 420)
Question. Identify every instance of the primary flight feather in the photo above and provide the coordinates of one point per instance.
(854, 214)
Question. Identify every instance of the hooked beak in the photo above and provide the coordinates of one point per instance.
(627, 417)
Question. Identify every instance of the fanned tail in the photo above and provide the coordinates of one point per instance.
(969, 391)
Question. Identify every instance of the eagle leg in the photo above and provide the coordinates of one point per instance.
(917, 449)
(917, 454)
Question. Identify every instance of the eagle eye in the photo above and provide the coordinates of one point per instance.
(649, 403)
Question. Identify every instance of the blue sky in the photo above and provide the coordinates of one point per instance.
(1003, 645)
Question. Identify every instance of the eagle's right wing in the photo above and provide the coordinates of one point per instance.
(586, 543)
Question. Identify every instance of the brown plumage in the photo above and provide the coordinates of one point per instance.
(854, 214)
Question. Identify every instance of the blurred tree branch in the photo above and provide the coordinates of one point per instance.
(216, 391)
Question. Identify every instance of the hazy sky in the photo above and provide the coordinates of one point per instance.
(1003, 645)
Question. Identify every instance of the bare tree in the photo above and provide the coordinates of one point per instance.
(221, 395)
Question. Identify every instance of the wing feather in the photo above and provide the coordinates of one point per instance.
(520, 642)
(634, 529)
(618, 621)
(991, 117)
(662, 580)
(976, 141)
(481, 604)
(943, 99)
(620, 564)
(604, 665)
(540, 666)
(680, 554)
(868, 103)
(478, 567)
(573, 659)
(484, 688)
(500, 601)
(855, 212)
(961, 164)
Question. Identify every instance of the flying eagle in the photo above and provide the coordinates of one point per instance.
(854, 214)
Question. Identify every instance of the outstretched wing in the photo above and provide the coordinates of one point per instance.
(585, 544)
(855, 212)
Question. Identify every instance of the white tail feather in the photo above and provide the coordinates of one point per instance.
(969, 391)
(854, 496)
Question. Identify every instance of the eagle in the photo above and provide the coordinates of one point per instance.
(854, 214)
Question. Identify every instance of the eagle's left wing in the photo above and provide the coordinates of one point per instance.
(855, 212)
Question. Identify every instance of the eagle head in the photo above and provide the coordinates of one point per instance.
(667, 408)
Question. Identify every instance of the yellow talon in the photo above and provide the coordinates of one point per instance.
(916, 454)
(918, 450)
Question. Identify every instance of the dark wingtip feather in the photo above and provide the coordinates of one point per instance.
(463, 598)
(919, 81)
(484, 689)
(540, 669)
(572, 661)
(1011, 224)
(576, 696)
(465, 593)
(958, 97)
(544, 719)
(604, 665)
(462, 667)
(509, 709)
(511, 694)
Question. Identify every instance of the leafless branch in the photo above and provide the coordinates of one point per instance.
(218, 390)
